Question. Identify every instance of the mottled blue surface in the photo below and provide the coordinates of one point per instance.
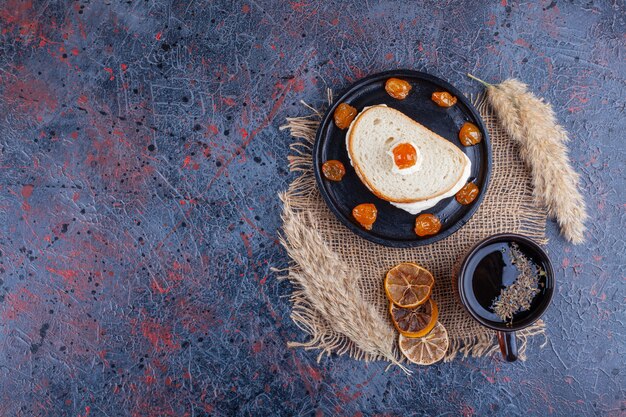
(140, 161)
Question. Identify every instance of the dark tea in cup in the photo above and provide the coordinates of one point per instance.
(506, 282)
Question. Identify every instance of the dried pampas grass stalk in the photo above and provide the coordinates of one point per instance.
(332, 288)
(531, 122)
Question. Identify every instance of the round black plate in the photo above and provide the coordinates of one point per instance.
(394, 227)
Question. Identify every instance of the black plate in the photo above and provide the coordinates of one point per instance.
(394, 227)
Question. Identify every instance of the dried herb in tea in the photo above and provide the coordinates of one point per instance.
(518, 296)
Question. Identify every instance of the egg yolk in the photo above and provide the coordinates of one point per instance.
(404, 155)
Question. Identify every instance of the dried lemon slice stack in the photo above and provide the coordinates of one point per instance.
(423, 340)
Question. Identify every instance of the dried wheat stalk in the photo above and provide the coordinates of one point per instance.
(531, 122)
(332, 288)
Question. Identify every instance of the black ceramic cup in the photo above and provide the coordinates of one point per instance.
(476, 294)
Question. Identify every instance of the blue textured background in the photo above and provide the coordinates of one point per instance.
(140, 161)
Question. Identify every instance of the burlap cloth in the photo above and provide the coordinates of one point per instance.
(508, 206)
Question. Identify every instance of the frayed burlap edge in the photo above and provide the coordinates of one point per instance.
(305, 315)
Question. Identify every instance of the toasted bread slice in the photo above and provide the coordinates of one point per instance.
(444, 168)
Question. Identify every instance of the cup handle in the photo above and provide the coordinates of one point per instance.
(508, 346)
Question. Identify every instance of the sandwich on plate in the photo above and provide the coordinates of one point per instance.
(403, 162)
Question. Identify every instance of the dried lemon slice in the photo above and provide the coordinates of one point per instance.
(428, 349)
(416, 321)
(408, 285)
